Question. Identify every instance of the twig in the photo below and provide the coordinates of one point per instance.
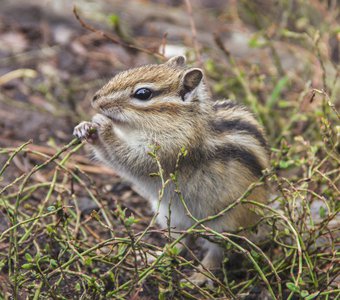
(115, 40)
(251, 99)
(194, 32)
(8, 162)
(29, 73)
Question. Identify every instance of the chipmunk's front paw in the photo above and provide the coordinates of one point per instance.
(86, 131)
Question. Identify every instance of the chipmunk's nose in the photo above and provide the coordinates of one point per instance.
(95, 98)
(95, 101)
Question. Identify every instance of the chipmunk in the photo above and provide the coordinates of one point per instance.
(169, 105)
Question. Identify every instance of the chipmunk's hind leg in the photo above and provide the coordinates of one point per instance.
(211, 261)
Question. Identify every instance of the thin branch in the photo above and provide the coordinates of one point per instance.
(115, 40)
(194, 31)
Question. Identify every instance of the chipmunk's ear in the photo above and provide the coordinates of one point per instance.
(190, 81)
(176, 61)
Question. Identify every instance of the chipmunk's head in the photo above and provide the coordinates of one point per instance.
(152, 95)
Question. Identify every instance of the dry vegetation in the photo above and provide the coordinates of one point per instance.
(70, 229)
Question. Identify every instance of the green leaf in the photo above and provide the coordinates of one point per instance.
(2, 264)
(162, 294)
(284, 104)
(121, 250)
(210, 66)
(173, 176)
(114, 20)
(184, 151)
(130, 220)
(314, 149)
(27, 266)
(285, 164)
(153, 155)
(257, 41)
(77, 287)
(28, 257)
(312, 296)
(304, 294)
(88, 261)
(254, 254)
(37, 256)
(50, 229)
(291, 286)
(173, 251)
(291, 34)
(228, 246)
(281, 84)
(322, 212)
(112, 277)
(53, 263)
(52, 143)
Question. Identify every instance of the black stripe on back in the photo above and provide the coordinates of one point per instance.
(246, 158)
(239, 125)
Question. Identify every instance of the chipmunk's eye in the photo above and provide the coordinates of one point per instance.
(143, 94)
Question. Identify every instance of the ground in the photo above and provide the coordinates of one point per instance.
(70, 228)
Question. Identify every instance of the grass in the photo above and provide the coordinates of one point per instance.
(50, 248)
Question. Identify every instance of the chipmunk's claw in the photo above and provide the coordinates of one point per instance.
(86, 131)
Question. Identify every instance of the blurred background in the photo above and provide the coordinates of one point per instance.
(50, 65)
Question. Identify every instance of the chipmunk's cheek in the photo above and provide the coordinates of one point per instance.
(100, 119)
(116, 117)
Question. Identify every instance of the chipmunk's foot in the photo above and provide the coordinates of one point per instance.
(151, 257)
(86, 131)
(210, 262)
(199, 279)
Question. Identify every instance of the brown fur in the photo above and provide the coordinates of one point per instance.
(226, 146)
(167, 76)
